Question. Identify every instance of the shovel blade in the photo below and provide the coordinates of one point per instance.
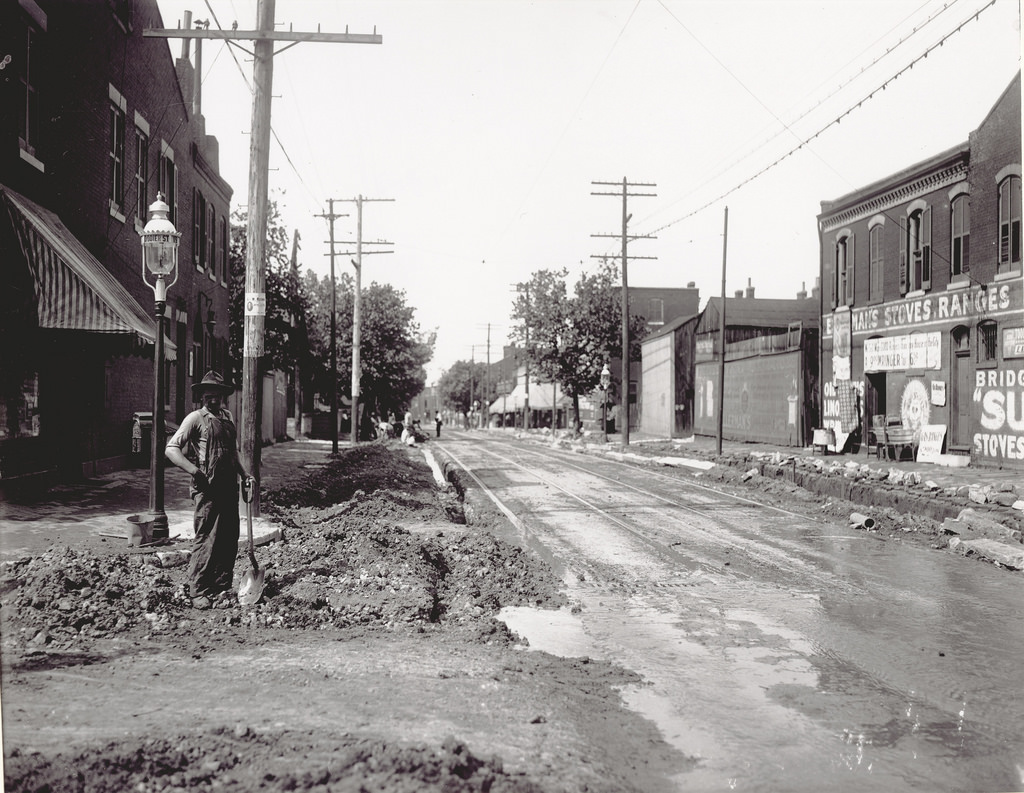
(250, 590)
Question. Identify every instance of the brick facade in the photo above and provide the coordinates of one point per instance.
(923, 322)
(76, 391)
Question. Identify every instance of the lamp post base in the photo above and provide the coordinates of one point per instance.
(160, 529)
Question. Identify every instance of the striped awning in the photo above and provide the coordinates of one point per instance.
(73, 290)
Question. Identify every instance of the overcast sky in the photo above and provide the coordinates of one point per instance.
(488, 120)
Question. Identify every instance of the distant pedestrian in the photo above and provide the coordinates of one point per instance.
(408, 433)
(205, 447)
(437, 422)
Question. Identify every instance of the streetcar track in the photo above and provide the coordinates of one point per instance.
(717, 520)
(778, 557)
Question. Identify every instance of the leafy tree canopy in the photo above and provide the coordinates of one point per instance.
(393, 352)
(569, 338)
(463, 383)
(297, 326)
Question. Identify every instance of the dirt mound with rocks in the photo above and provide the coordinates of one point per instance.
(254, 763)
(341, 565)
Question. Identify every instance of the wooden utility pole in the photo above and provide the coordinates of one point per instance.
(331, 217)
(357, 301)
(525, 289)
(625, 237)
(255, 239)
(721, 338)
(487, 383)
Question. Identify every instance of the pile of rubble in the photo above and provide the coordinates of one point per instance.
(340, 565)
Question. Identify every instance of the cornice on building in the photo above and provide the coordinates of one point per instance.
(952, 173)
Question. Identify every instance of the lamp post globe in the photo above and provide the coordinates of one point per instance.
(159, 271)
(606, 380)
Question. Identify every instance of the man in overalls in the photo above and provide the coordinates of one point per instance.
(205, 447)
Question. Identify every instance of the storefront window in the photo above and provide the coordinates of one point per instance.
(19, 411)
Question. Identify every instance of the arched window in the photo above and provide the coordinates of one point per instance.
(876, 263)
(844, 261)
(960, 234)
(1009, 224)
(916, 248)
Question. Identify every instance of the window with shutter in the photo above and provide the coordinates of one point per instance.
(876, 262)
(197, 216)
(960, 234)
(926, 249)
(1009, 224)
(904, 281)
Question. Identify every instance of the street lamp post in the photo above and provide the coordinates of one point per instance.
(159, 259)
(606, 380)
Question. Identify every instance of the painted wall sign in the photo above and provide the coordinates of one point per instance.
(930, 442)
(758, 399)
(1013, 342)
(981, 301)
(999, 407)
(899, 353)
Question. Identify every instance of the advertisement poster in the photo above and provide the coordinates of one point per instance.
(930, 442)
(900, 353)
(841, 345)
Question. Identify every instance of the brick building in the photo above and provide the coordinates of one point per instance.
(923, 320)
(96, 120)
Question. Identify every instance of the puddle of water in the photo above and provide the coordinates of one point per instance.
(557, 632)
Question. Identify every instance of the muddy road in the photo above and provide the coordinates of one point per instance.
(782, 650)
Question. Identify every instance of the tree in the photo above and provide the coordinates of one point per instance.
(393, 352)
(463, 383)
(572, 337)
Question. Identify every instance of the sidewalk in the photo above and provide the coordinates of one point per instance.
(95, 512)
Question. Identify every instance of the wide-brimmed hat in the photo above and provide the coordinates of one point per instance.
(212, 381)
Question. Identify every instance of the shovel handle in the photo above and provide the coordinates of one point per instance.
(248, 489)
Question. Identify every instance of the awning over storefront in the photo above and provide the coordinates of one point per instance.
(541, 395)
(74, 291)
(508, 404)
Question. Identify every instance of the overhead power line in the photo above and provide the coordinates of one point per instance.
(787, 127)
(853, 107)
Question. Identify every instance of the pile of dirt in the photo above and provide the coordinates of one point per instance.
(375, 641)
(347, 561)
(264, 762)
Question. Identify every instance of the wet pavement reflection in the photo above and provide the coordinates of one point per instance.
(797, 655)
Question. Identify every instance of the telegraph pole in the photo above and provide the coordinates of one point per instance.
(357, 300)
(721, 338)
(331, 217)
(487, 383)
(625, 237)
(525, 289)
(259, 163)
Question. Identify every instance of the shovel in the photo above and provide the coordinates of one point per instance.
(251, 588)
